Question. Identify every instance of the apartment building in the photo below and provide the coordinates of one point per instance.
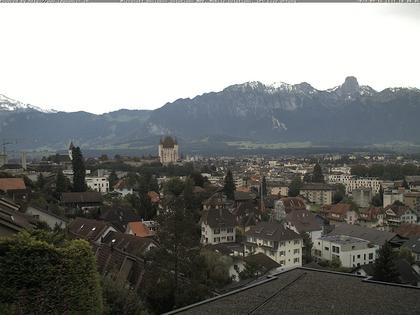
(351, 251)
(318, 193)
(352, 182)
(217, 226)
(99, 184)
(273, 239)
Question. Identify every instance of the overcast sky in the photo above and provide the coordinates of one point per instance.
(103, 57)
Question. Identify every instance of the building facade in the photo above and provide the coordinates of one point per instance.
(168, 150)
(351, 251)
(99, 184)
(318, 193)
(217, 226)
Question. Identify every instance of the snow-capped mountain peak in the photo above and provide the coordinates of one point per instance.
(8, 104)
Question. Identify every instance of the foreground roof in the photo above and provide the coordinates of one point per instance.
(310, 291)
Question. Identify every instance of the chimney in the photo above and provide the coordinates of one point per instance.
(24, 161)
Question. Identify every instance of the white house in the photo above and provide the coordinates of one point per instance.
(273, 239)
(351, 251)
(217, 226)
(48, 217)
(99, 184)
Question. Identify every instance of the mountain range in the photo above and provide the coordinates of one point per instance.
(242, 116)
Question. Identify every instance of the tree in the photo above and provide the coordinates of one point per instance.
(198, 179)
(229, 187)
(384, 268)
(264, 186)
(79, 171)
(339, 193)
(295, 186)
(48, 275)
(405, 253)
(60, 183)
(113, 179)
(40, 181)
(307, 248)
(405, 184)
(317, 176)
(174, 186)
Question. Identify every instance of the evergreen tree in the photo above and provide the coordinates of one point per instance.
(113, 179)
(317, 176)
(79, 171)
(385, 269)
(60, 182)
(264, 186)
(405, 184)
(295, 186)
(229, 188)
(307, 248)
(40, 181)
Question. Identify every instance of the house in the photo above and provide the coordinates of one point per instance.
(309, 291)
(121, 256)
(318, 193)
(407, 275)
(119, 216)
(91, 230)
(217, 226)
(304, 221)
(85, 201)
(340, 212)
(413, 245)
(123, 187)
(14, 188)
(139, 229)
(372, 217)
(281, 191)
(375, 237)
(11, 220)
(351, 251)
(398, 213)
(286, 205)
(168, 150)
(273, 239)
(53, 220)
(411, 199)
(99, 184)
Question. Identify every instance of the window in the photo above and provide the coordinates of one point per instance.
(353, 260)
(370, 256)
(230, 230)
(296, 260)
(282, 262)
(296, 251)
(216, 231)
(358, 256)
(230, 238)
(282, 253)
(282, 243)
(297, 242)
(326, 248)
(336, 249)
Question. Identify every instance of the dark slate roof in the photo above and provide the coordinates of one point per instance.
(262, 260)
(372, 235)
(273, 231)
(168, 142)
(216, 218)
(226, 248)
(407, 275)
(119, 216)
(87, 229)
(15, 220)
(413, 244)
(304, 221)
(243, 196)
(81, 197)
(310, 291)
(131, 244)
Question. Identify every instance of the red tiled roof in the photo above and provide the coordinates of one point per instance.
(12, 184)
(140, 229)
(408, 230)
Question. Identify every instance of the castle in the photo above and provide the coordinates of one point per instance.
(168, 150)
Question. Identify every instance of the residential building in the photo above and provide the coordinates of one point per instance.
(123, 187)
(351, 251)
(217, 226)
(139, 229)
(362, 196)
(374, 236)
(99, 184)
(278, 242)
(372, 217)
(168, 150)
(318, 193)
(392, 195)
(304, 221)
(53, 220)
(413, 245)
(411, 199)
(91, 230)
(12, 221)
(82, 200)
(352, 182)
(408, 230)
(282, 191)
(307, 291)
(14, 188)
(340, 212)
(119, 216)
(286, 205)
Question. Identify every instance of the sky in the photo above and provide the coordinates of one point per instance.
(104, 57)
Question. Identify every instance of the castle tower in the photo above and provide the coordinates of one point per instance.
(168, 150)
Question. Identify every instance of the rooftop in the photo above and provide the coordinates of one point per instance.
(310, 291)
(343, 239)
